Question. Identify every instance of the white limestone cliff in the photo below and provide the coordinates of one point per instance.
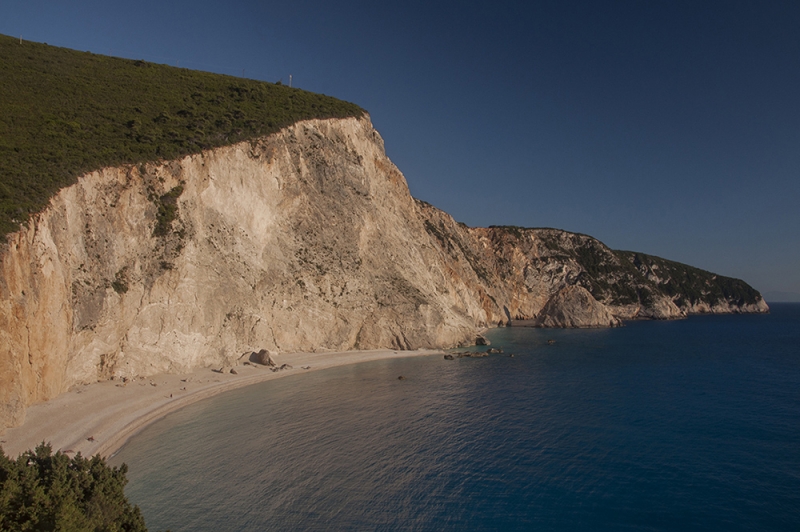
(302, 241)
(305, 240)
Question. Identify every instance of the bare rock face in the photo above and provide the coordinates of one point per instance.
(574, 306)
(306, 240)
(727, 307)
(521, 275)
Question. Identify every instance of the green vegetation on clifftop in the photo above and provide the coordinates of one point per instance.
(689, 285)
(64, 113)
(626, 277)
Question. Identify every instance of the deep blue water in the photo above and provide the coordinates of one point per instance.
(679, 425)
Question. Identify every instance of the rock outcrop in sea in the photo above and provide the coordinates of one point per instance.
(304, 240)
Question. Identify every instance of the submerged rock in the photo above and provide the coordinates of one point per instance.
(472, 354)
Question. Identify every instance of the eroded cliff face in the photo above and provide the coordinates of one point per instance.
(305, 240)
(532, 275)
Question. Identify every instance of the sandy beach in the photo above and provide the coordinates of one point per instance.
(99, 418)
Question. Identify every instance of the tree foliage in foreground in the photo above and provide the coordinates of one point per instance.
(43, 491)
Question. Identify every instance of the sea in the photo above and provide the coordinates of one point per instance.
(691, 424)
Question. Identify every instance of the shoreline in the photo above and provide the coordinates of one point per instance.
(99, 418)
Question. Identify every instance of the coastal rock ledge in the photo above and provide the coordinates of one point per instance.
(305, 240)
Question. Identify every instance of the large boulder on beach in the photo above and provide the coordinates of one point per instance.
(264, 358)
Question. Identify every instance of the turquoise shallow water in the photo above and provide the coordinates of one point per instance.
(680, 425)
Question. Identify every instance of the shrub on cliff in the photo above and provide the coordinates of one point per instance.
(45, 491)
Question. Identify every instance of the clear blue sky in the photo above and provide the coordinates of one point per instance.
(667, 127)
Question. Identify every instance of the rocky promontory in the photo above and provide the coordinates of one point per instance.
(536, 273)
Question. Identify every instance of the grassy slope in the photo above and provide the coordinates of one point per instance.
(64, 112)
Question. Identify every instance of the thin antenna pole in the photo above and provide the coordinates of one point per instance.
(20, 39)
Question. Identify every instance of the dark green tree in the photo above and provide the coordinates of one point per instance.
(43, 491)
